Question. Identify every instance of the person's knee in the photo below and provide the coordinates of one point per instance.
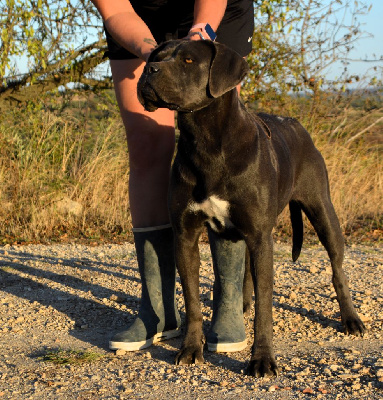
(150, 147)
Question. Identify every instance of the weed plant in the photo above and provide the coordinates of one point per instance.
(66, 357)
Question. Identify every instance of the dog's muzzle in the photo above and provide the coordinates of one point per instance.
(147, 96)
(150, 99)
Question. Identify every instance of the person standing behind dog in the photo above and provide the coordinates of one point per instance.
(133, 29)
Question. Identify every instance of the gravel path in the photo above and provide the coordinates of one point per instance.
(61, 298)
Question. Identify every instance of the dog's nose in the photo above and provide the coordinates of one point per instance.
(152, 68)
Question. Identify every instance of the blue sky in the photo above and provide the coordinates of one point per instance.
(372, 23)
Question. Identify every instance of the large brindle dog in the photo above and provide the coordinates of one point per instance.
(237, 171)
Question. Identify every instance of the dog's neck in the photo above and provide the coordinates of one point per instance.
(209, 132)
(211, 116)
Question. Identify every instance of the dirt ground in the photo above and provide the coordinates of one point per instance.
(60, 304)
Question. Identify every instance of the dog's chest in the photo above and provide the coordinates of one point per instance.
(216, 210)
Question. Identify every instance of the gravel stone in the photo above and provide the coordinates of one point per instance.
(74, 297)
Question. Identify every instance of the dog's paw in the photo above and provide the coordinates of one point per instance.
(260, 366)
(190, 355)
(353, 326)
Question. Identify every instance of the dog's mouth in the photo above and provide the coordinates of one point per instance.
(151, 99)
(147, 96)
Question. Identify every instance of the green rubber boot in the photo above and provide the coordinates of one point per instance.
(158, 317)
(227, 332)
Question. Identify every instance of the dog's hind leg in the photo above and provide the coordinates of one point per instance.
(248, 286)
(322, 215)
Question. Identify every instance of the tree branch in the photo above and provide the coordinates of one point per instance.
(64, 71)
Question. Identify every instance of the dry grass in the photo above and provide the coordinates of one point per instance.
(348, 133)
(64, 171)
(60, 180)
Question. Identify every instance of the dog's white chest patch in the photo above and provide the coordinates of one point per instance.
(217, 211)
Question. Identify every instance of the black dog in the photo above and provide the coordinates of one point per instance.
(237, 171)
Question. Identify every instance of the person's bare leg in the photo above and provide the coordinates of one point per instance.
(151, 144)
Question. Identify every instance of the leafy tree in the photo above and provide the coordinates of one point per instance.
(296, 42)
(61, 41)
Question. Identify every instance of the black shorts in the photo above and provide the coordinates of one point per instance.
(172, 19)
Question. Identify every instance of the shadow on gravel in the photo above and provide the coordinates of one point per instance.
(95, 322)
(85, 264)
(220, 360)
(312, 315)
(81, 263)
(99, 321)
(224, 360)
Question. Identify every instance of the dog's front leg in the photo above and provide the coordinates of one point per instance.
(262, 360)
(188, 262)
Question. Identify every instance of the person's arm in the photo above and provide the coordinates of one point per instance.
(126, 27)
(208, 11)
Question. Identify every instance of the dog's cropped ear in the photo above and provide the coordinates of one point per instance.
(227, 70)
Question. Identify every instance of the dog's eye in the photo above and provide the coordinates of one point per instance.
(188, 60)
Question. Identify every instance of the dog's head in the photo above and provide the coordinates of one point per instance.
(187, 75)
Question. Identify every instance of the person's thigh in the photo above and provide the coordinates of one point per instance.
(150, 134)
(151, 142)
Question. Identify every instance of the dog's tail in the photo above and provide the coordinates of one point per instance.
(297, 225)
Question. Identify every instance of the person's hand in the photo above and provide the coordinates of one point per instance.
(195, 34)
(201, 31)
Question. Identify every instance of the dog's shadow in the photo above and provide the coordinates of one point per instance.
(166, 353)
(314, 316)
(233, 362)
